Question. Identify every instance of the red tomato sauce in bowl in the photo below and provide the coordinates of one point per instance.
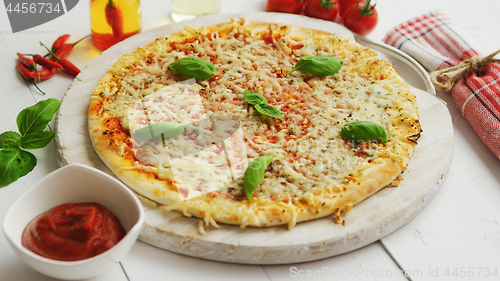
(73, 231)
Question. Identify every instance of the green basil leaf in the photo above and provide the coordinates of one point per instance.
(268, 110)
(36, 140)
(10, 139)
(194, 67)
(260, 104)
(364, 131)
(254, 98)
(318, 65)
(159, 130)
(36, 117)
(15, 163)
(254, 174)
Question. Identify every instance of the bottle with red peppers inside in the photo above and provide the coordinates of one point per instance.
(112, 21)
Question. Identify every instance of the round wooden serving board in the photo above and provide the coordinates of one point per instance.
(369, 221)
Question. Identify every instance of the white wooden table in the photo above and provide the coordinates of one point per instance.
(456, 237)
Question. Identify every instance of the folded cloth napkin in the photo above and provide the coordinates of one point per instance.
(438, 43)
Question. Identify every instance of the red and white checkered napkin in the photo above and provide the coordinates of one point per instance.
(438, 43)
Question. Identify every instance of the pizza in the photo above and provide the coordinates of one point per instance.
(254, 137)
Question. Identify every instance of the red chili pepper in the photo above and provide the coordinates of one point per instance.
(59, 42)
(66, 48)
(46, 73)
(26, 73)
(46, 62)
(114, 17)
(29, 63)
(31, 76)
(69, 68)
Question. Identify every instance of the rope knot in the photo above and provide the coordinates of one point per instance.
(476, 62)
(445, 79)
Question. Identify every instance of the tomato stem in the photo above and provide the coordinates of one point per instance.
(327, 4)
(366, 10)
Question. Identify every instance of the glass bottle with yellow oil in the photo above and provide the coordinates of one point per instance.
(112, 21)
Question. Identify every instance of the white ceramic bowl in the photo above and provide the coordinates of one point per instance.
(74, 183)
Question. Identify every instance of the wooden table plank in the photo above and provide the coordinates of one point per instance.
(149, 263)
(453, 233)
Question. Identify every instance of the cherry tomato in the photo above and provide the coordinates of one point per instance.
(344, 4)
(361, 18)
(322, 9)
(285, 6)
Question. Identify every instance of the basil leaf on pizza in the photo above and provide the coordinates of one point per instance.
(259, 102)
(254, 98)
(269, 110)
(159, 130)
(194, 67)
(364, 131)
(254, 174)
(318, 65)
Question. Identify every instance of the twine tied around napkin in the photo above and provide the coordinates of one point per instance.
(445, 79)
(440, 46)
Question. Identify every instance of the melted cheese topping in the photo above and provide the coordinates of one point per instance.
(315, 160)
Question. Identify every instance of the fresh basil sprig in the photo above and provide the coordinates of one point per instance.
(194, 67)
(159, 130)
(31, 122)
(318, 65)
(254, 174)
(259, 102)
(364, 131)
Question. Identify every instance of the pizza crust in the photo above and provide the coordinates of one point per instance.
(113, 144)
